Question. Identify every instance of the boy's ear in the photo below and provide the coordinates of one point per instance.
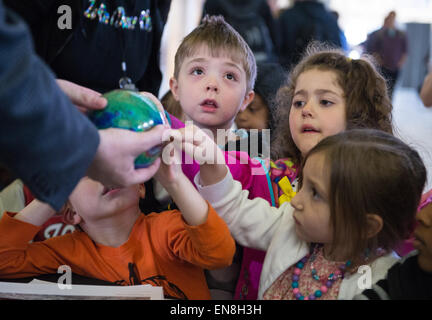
(174, 87)
(375, 224)
(247, 100)
(69, 214)
(142, 190)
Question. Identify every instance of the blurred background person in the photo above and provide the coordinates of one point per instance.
(254, 21)
(389, 47)
(305, 21)
(343, 39)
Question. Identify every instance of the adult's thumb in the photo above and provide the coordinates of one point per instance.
(151, 138)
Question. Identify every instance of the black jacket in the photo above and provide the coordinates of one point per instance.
(234, 10)
(90, 54)
(41, 132)
(405, 281)
(304, 19)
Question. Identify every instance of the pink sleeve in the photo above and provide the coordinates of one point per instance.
(175, 123)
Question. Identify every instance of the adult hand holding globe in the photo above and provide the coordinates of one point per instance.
(132, 111)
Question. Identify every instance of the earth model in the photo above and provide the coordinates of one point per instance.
(130, 110)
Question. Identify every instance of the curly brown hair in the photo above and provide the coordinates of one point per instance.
(365, 91)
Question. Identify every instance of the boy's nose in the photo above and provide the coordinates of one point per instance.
(212, 84)
(212, 87)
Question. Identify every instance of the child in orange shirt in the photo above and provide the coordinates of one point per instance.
(119, 244)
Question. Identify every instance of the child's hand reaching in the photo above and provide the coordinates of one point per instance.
(202, 148)
(170, 170)
(191, 204)
(198, 145)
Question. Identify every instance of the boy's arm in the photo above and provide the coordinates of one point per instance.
(18, 257)
(202, 238)
(191, 204)
(36, 213)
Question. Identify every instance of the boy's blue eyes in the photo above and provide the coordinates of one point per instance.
(198, 72)
(230, 76)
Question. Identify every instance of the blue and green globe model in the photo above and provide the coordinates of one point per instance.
(130, 110)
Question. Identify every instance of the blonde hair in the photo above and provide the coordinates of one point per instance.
(220, 39)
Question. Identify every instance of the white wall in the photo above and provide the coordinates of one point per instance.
(359, 17)
(183, 17)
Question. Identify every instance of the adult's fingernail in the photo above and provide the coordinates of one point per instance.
(102, 101)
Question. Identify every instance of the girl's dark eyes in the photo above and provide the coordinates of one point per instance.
(326, 102)
(298, 104)
(315, 193)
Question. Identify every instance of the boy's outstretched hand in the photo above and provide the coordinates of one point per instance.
(199, 146)
(170, 170)
(190, 203)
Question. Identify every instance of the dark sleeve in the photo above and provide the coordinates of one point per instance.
(164, 8)
(379, 291)
(286, 24)
(370, 43)
(44, 139)
(271, 23)
(32, 11)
